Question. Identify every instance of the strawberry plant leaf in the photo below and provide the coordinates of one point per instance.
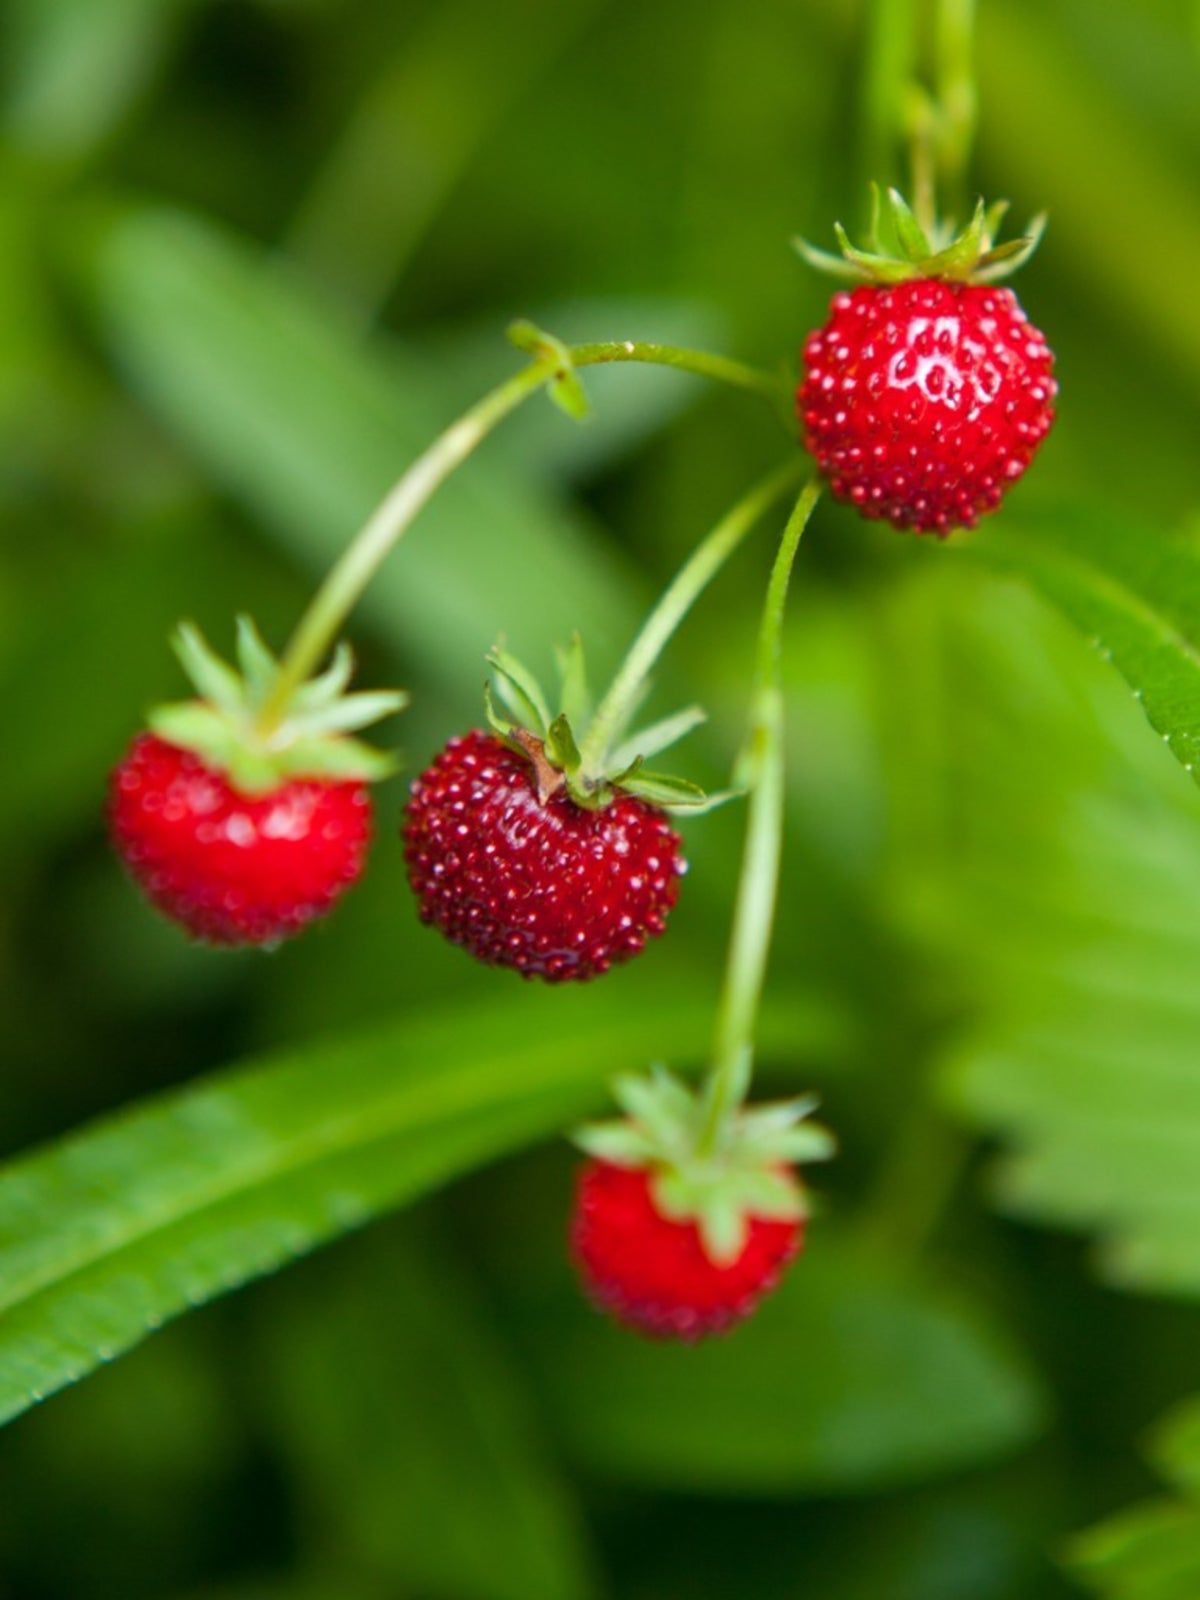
(1134, 594)
(1078, 1046)
(114, 1230)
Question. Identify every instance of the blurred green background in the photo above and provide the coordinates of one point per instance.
(252, 256)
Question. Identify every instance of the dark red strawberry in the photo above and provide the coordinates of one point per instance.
(234, 868)
(654, 1272)
(536, 882)
(928, 391)
(924, 402)
(240, 822)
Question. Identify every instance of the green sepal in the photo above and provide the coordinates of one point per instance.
(565, 389)
(573, 695)
(561, 749)
(213, 679)
(258, 666)
(911, 236)
(900, 249)
(308, 739)
(519, 714)
(344, 760)
(658, 736)
(520, 691)
(747, 1172)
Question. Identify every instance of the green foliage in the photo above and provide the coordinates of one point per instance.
(1152, 1550)
(252, 258)
(1135, 595)
(105, 1236)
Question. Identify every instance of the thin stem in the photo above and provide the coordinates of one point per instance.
(614, 711)
(754, 912)
(723, 369)
(956, 91)
(348, 578)
(889, 62)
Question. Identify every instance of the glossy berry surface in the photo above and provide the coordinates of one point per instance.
(547, 888)
(231, 868)
(653, 1273)
(924, 402)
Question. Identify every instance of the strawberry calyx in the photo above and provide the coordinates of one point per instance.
(520, 715)
(749, 1172)
(899, 247)
(227, 728)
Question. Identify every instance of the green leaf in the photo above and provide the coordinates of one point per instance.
(113, 1231)
(1065, 895)
(852, 1377)
(1152, 1550)
(1134, 594)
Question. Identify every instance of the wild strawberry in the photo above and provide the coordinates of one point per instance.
(927, 392)
(679, 1236)
(531, 858)
(541, 885)
(652, 1271)
(243, 834)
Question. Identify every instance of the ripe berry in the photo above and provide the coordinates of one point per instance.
(234, 868)
(924, 401)
(654, 1273)
(542, 885)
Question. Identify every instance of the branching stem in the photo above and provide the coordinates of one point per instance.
(321, 623)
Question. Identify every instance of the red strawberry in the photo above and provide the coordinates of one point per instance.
(536, 882)
(654, 1273)
(925, 401)
(240, 820)
(234, 868)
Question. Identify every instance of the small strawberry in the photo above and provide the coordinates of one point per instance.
(243, 834)
(538, 884)
(927, 392)
(678, 1241)
(531, 858)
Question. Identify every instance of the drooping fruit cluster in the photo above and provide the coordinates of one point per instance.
(682, 1224)
(545, 886)
(531, 858)
(928, 392)
(240, 829)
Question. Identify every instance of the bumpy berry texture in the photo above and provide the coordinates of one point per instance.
(925, 401)
(547, 888)
(232, 868)
(652, 1272)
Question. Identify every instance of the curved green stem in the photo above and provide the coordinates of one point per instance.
(348, 578)
(615, 710)
(762, 767)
